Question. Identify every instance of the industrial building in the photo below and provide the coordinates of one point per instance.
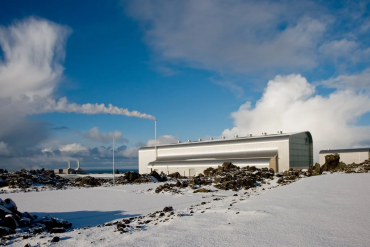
(347, 156)
(278, 151)
(69, 170)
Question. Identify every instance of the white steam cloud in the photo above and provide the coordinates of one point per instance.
(63, 106)
(289, 103)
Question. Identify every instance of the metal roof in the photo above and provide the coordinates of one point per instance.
(347, 150)
(271, 137)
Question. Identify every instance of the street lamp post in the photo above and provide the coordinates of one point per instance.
(114, 182)
(155, 138)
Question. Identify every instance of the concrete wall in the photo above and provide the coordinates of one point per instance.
(348, 157)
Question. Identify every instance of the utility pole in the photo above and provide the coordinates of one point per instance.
(114, 182)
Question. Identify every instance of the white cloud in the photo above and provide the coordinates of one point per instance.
(360, 81)
(131, 152)
(95, 135)
(33, 52)
(234, 88)
(4, 149)
(241, 36)
(166, 139)
(31, 68)
(339, 48)
(73, 148)
(289, 103)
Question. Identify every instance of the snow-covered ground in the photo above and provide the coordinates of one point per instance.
(327, 210)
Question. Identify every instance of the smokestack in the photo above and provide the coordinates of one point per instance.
(69, 164)
(78, 165)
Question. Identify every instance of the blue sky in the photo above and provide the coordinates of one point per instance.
(202, 68)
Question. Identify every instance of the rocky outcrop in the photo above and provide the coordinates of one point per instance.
(331, 162)
(161, 178)
(175, 175)
(11, 220)
(24, 179)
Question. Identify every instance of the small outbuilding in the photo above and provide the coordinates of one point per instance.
(279, 151)
(347, 156)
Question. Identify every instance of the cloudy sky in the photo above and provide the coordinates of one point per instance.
(75, 74)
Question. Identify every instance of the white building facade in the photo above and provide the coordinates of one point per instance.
(278, 151)
(347, 156)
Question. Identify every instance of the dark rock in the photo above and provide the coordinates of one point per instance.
(332, 161)
(174, 175)
(6, 231)
(58, 230)
(120, 225)
(55, 239)
(209, 172)
(158, 177)
(131, 176)
(202, 190)
(168, 209)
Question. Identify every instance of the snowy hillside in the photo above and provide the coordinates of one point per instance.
(327, 210)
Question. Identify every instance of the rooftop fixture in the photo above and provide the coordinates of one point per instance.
(189, 140)
(249, 135)
(280, 132)
(264, 133)
(211, 138)
(199, 140)
(222, 137)
(236, 136)
(178, 141)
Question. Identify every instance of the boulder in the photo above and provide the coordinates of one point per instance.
(332, 161)
(6, 231)
(168, 209)
(158, 177)
(55, 239)
(132, 176)
(174, 175)
(209, 172)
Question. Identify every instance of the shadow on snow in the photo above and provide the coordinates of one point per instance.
(81, 219)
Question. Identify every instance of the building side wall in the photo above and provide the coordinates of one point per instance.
(174, 152)
(322, 158)
(348, 157)
(145, 157)
(300, 151)
(186, 167)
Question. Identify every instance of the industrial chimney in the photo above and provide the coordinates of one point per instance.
(69, 164)
(78, 165)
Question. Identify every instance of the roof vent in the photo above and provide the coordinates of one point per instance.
(264, 133)
(178, 141)
(236, 136)
(280, 132)
(222, 137)
(249, 135)
(211, 138)
(189, 140)
(199, 140)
